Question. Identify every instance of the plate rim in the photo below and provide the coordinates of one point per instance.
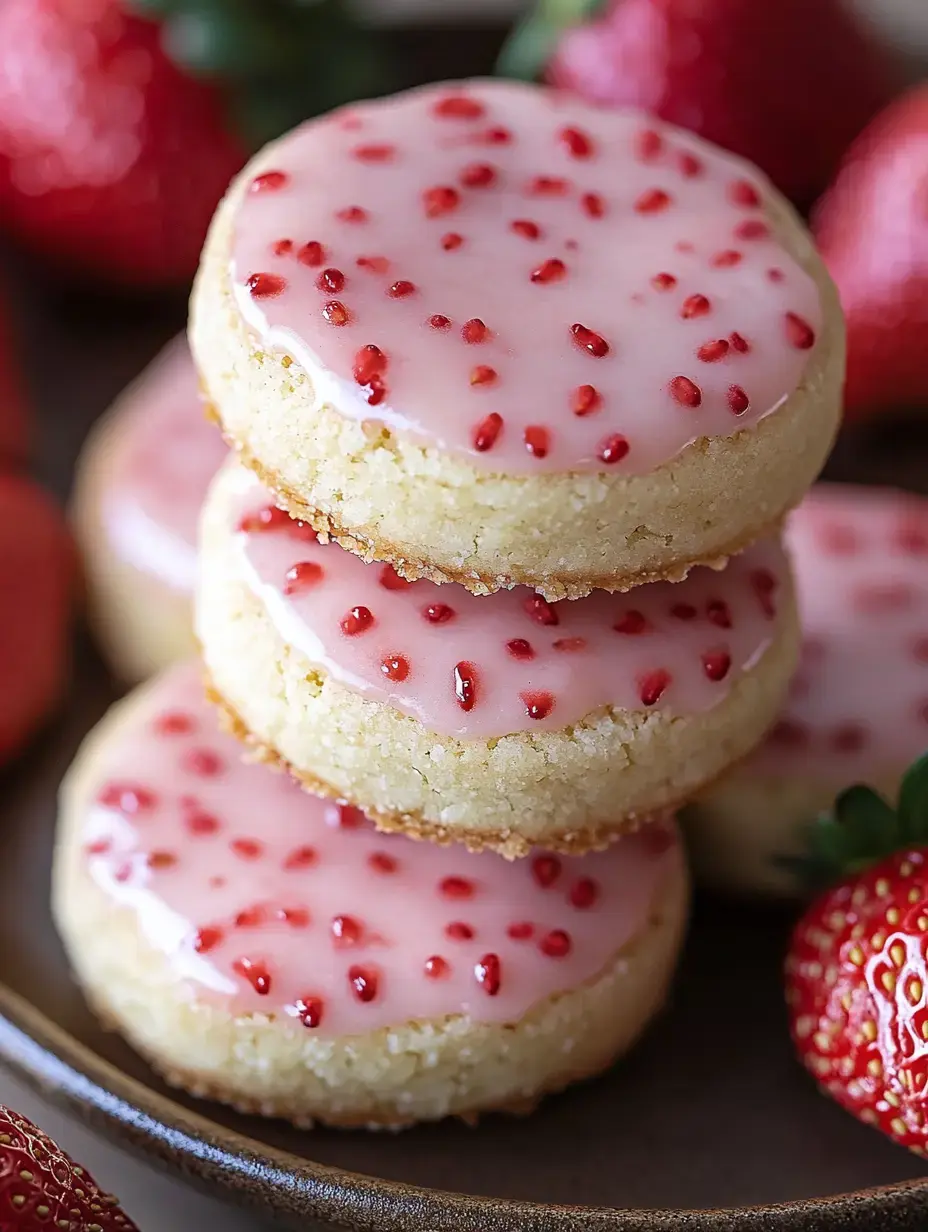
(276, 1182)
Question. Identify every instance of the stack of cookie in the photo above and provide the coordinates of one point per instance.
(509, 381)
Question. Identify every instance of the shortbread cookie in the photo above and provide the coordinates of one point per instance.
(858, 710)
(501, 721)
(140, 483)
(493, 335)
(268, 948)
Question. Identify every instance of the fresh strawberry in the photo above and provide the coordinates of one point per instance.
(14, 416)
(872, 228)
(786, 84)
(37, 573)
(42, 1188)
(857, 970)
(110, 158)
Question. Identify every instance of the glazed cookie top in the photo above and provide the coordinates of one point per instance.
(859, 704)
(508, 662)
(280, 902)
(162, 460)
(515, 276)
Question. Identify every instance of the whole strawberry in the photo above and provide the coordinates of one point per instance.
(41, 1188)
(857, 969)
(872, 228)
(786, 84)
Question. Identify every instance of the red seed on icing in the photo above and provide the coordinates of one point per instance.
(712, 352)
(382, 862)
(464, 679)
(207, 939)
(311, 254)
(527, 229)
(369, 362)
(577, 143)
(199, 822)
(374, 153)
(304, 574)
(483, 375)
(738, 401)
(456, 888)
(537, 440)
(651, 688)
(438, 613)
(436, 967)
(652, 201)
(336, 313)
(716, 664)
(457, 930)
(346, 931)
(726, 259)
(613, 449)
(583, 893)
(375, 265)
(269, 181)
(282, 248)
(247, 848)
(203, 762)
(391, 580)
(538, 704)
(296, 917)
(487, 973)
(128, 798)
(685, 392)
(364, 983)
(161, 859)
(255, 972)
(764, 584)
(719, 613)
(546, 870)
(395, 667)
(548, 186)
(173, 723)
(520, 649)
(663, 282)
(570, 645)
(452, 241)
(266, 286)
(632, 623)
(593, 205)
(442, 199)
(552, 270)
(401, 289)
(310, 1011)
(690, 166)
(331, 280)
(789, 734)
(352, 213)
(752, 229)
(585, 400)
(799, 332)
(555, 944)
(301, 857)
(474, 331)
(439, 321)
(344, 817)
(589, 341)
(522, 930)
(695, 306)
(648, 145)
(849, 738)
(540, 610)
(358, 620)
(458, 107)
(252, 917)
(683, 611)
(478, 175)
(739, 343)
(487, 432)
(740, 192)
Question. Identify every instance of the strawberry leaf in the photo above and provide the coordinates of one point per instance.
(534, 40)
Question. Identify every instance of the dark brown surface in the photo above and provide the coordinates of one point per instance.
(709, 1112)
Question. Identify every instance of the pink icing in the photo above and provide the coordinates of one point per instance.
(859, 704)
(524, 279)
(533, 665)
(271, 900)
(159, 467)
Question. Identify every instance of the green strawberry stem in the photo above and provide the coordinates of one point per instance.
(534, 39)
(863, 828)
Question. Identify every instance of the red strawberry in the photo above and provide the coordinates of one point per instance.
(786, 84)
(42, 1188)
(14, 419)
(37, 573)
(872, 228)
(857, 970)
(110, 158)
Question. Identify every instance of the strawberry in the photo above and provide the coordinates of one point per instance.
(857, 969)
(872, 229)
(37, 573)
(14, 416)
(42, 1188)
(787, 85)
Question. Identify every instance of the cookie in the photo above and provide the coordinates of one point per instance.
(501, 721)
(140, 482)
(492, 335)
(858, 708)
(270, 949)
